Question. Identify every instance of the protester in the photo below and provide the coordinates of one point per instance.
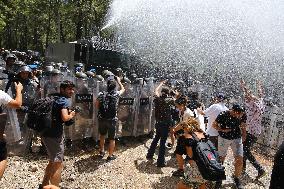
(231, 127)
(254, 110)
(212, 112)
(53, 137)
(163, 105)
(184, 113)
(192, 177)
(6, 100)
(277, 176)
(107, 104)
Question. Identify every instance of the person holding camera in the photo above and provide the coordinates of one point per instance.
(6, 100)
(53, 137)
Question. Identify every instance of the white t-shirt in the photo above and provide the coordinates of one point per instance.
(212, 112)
(200, 119)
(4, 98)
(186, 114)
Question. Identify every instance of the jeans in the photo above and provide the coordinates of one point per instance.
(162, 131)
(250, 140)
(277, 175)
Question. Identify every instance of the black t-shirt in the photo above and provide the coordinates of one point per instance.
(163, 108)
(226, 121)
(60, 103)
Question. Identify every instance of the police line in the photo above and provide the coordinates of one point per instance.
(135, 115)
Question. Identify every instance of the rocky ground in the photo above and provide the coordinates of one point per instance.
(85, 170)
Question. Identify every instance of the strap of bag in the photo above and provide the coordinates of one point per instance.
(194, 136)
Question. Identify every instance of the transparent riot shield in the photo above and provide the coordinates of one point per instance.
(12, 129)
(270, 131)
(95, 85)
(126, 111)
(143, 119)
(50, 84)
(83, 99)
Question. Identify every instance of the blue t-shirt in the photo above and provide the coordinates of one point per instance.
(56, 130)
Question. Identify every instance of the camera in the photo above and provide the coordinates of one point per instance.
(77, 109)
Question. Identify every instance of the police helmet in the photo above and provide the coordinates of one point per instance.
(99, 77)
(55, 72)
(12, 56)
(107, 73)
(133, 77)
(81, 75)
(90, 74)
(93, 70)
(19, 63)
(79, 65)
(48, 68)
(24, 69)
(126, 80)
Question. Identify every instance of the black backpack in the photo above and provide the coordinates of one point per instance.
(40, 116)
(207, 160)
(108, 105)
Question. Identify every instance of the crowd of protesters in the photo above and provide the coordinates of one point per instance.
(177, 115)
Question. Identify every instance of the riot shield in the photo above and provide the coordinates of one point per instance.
(126, 111)
(83, 127)
(270, 131)
(143, 119)
(95, 85)
(50, 84)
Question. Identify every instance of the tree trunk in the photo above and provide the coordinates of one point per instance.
(48, 25)
(79, 23)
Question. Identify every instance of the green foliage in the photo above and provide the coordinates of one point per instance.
(33, 24)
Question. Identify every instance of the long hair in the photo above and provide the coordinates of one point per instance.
(192, 125)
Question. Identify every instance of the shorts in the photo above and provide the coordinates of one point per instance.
(180, 148)
(107, 127)
(3, 150)
(236, 145)
(55, 148)
(192, 176)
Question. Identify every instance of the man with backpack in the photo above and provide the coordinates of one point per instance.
(6, 100)
(107, 104)
(231, 126)
(53, 137)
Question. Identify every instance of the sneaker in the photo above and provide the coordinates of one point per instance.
(238, 183)
(169, 145)
(260, 174)
(110, 158)
(161, 165)
(102, 154)
(218, 184)
(178, 173)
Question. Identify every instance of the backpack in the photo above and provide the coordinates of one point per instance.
(163, 108)
(108, 105)
(207, 160)
(40, 117)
